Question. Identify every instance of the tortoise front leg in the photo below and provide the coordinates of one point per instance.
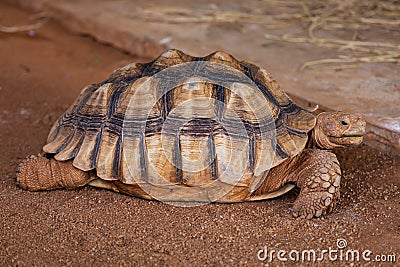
(318, 175)
(37, 173)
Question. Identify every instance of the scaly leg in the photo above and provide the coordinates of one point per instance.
(37, 173)
(318, 175)
(316, 172)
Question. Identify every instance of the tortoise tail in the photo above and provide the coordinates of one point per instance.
(36, 173)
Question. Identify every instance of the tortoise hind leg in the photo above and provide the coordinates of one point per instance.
(318, 176)
(37, 173)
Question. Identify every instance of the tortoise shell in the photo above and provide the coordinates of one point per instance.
(174, 122)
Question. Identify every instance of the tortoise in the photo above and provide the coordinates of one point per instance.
(184, 129)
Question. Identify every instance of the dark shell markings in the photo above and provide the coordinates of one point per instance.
(200, 128)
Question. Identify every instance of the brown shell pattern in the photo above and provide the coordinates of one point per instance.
(92, 133)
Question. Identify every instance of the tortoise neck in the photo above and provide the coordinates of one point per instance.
(311, 143)
(316, 141)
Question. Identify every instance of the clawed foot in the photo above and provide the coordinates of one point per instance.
(314, 204)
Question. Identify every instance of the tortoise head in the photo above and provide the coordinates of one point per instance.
(338, 129)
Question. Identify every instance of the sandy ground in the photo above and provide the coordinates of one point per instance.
(41, 75)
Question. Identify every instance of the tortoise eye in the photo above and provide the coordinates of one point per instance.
(344, 123)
